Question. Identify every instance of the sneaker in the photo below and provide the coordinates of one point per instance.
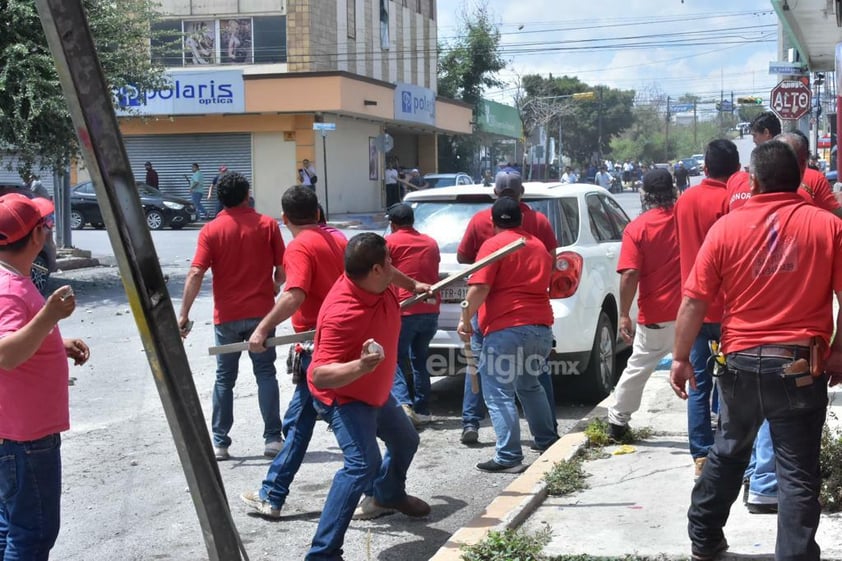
(260, 506)
(762, 508)
(470, 435)
(424, 419)
(411, 414)
(708, 554)
(699, 466)
(617, 432)
(272, 448)
(369, 509)
(221, 453)
(493, 467)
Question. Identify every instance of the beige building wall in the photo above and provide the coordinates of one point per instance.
(273, 170)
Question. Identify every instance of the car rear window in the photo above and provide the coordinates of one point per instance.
(446, 220)
(440, 181)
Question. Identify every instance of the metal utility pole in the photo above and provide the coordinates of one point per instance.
(695, 122)
(89, 101)
(599, 124)
(667, 135)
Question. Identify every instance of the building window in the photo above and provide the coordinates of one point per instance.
(219, 41)
(384, 24)
(418, 6)
(352, 19)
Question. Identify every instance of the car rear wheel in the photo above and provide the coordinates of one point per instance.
(154, 220)
(77, 220)
(600, 376)
(40, 274)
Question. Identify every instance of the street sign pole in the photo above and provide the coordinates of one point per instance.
(324, 170)
(89, 102)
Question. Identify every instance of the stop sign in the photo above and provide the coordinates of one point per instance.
(790, 99)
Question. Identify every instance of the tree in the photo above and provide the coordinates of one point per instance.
(466, 68)
(34, 120)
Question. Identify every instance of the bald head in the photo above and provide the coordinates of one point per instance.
(798, 143)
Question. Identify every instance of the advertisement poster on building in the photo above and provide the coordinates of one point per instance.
(235, 41)
(372, 158)
(199, 42)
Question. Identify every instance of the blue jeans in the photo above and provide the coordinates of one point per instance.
(762, 481)
(299, 421)
(196, 197)
(227, 368)
(357, 426)
(753, 389)
(699, 400)
(413, 348)
(511, 362)
(30, 491)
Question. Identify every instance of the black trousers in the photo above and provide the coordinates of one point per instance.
(753, 389)
(393, 194)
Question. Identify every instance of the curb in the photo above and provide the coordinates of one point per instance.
(523, 495)
(70, 263)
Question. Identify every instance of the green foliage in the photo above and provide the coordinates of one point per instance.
(830, 459)
(749, 112)
(34, 120)
(585, 557)
(565, 477)
(510, 545)
(598, 435)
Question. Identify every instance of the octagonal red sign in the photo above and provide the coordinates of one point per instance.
(790, 99)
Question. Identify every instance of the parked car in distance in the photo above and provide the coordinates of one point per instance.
(692, 166)
(700, 161)
(161, 210)
(435, 180)
(584, 291)
(45, 263)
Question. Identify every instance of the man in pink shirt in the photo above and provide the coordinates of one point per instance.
(33, 384)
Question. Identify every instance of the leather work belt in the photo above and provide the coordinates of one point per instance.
(653, 326)
(806, 361)
(777, 351)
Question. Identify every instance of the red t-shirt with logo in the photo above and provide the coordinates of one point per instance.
(481, 228)
(313, 261)
(777, 261)
(241, 248)
(417, 256)
(739, 190)
(349, 317)
(519, 283)
(649, 246)
(695, 212)
(814, 189)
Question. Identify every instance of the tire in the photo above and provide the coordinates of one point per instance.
(599, 377)
(40, 274)
(154, 220)
(77, 220)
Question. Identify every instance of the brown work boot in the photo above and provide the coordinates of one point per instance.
(411, 506)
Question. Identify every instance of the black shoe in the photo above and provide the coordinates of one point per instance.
(617, 432)
(762, 508)
(745, 491)
(493, 467)
(470, 435)
(708, 554)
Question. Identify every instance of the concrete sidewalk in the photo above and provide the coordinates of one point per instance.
(636, 503)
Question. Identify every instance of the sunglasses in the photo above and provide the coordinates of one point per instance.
(47, 222)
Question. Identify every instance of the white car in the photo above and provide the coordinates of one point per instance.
(585, 287)
(437, 180)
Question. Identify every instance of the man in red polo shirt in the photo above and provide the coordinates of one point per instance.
(515, 317)
(775, 330)
(417, 256)
(648, 260)
(351, 379)
(814, 186)
(764, 128)
(695, 212)
(244, 288)
(479, 230)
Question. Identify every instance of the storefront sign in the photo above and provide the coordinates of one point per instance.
(188, 93)
(496, 118)
(414, 103)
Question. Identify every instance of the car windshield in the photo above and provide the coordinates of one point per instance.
(446, 220)
(148, 190)
(440, 181)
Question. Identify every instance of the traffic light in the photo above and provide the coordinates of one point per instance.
(750, 100)
(584, 95)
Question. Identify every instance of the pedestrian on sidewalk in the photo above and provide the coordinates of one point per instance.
(417, 256)
(197, 190)
(244, 287)
(774, 347)
(515, 316)
(151, 175)
(649, 261)
(351, 380)
(695, 213)
(481, 228)
(33, 384)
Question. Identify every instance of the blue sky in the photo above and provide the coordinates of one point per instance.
(698, 46)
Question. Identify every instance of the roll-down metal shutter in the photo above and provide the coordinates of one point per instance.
(172, 156)
(9, 160)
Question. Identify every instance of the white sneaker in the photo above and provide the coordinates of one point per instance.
(260, 506)
(272, 448)
(221, 453)
(411, 414)
(368, 509)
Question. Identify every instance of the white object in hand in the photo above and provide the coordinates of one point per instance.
(67, 293)
(374, 348)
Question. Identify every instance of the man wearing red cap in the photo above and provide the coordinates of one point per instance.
(33, 384)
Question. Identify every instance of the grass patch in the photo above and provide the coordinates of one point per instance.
(830, 458)
(598, 435)
(624, 558)
(510, 545)
(566, 476)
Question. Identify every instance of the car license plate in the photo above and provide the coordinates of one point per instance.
(454, 293)
(192, 217)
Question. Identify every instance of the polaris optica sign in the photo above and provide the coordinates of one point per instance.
(187, 93)
(414, 103)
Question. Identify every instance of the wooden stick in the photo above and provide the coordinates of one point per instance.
(309, 335)
(470, 366)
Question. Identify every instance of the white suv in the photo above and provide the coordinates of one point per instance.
(585, 286)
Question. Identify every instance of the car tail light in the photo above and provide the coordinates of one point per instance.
(566, 275)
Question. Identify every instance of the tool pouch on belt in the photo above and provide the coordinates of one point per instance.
(716, 362)
(817, 352)
(294, 362)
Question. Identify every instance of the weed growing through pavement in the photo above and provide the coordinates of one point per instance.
(566, 476)
(598, 435)
(509, 545)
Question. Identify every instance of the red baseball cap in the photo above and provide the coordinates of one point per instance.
(223, 169)
(19, 215)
